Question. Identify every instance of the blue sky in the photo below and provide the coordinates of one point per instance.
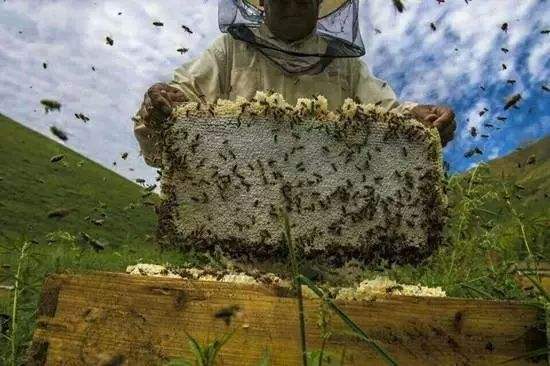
(447, 66)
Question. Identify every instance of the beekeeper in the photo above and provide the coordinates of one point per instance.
(299, 48)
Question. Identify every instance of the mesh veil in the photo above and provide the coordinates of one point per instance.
(336, 35)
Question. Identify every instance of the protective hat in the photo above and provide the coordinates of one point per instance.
(336, 34)
(326, 7)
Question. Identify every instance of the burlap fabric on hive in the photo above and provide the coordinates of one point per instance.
(359, 183)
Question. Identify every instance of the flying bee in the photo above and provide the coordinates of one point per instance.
(222, 156)
(232, 154)
(56, 158)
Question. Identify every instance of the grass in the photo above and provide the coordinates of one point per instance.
(499, 221)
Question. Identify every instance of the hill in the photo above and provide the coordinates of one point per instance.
(529, 170)
(72, 195)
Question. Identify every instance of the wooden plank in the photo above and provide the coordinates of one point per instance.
(93, 318)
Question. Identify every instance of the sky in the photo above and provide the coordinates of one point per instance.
(460, 64)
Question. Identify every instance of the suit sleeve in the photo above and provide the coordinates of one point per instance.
(203, 79)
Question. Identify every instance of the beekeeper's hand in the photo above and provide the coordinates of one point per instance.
(438, 116)
(158, 102)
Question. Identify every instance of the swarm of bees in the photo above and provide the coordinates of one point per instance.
(357, 183)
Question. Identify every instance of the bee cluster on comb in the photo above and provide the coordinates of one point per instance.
(357, 183)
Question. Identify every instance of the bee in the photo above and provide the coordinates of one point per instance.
(222, 156)
(158, 24)
(232, 154)
(512, 101)
(325, 149)
(378, 179)
(201, 163)
(109, 41)
(205, 197)
(59, 133)
(404, 150)
(56, 158)
(194, 146)
(246, 185)
(187, 29)
(398, 174)
(275, 138)
(333, 167)
(399, 5)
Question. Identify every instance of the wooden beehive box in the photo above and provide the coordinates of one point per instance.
(358, 184)
(113, 318)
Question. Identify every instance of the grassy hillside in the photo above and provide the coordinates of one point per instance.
(32, 187)
(529, 170)
(82, 197)
(499, 220)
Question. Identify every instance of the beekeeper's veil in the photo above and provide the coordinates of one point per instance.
(336, 35)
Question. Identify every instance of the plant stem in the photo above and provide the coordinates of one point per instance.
(297, 285)
(461, 222)
(522, 227)
(14, 303)
(350, 323)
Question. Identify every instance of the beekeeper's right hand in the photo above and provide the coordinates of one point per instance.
(158, 102)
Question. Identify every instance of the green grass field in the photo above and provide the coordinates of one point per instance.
(499, 221)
